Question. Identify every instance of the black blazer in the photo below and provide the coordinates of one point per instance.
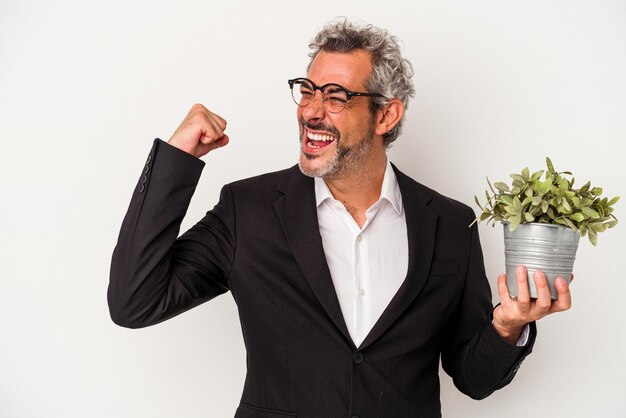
(262, 242)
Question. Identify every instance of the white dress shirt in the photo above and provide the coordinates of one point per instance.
(369, 264)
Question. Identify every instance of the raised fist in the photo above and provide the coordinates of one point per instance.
(201, 131)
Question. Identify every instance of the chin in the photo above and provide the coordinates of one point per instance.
(312, 166)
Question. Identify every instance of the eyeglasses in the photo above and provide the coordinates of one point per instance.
(334, 96)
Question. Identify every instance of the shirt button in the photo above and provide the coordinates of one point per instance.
(359, 238)
(357, 357)
(361, 292)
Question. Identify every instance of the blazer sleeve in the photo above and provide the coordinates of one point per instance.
(475, 356)
(155, 275)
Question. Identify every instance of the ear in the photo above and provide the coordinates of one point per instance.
(389, 116)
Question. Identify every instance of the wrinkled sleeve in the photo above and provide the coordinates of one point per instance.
(155, 275)
(474, 355)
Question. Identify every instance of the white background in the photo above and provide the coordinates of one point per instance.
(86, 86)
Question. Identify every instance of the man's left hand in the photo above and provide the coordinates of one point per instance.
(510, 317)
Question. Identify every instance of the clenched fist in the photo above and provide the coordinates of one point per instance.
(201, 131)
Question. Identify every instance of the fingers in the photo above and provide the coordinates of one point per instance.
(200, 132)
(564, 301)
(211, 125)
(543, 302)
(503, 290)
(523, 292)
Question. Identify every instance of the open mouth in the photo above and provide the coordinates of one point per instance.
(316, 141)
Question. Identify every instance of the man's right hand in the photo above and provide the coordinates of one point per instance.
(201, 131)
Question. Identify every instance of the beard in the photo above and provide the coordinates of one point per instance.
(346, 159)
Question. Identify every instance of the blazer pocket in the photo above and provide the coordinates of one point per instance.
(444, 268)
(249, 411)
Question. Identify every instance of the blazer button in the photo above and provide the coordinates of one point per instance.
(147, 169)
(357, 357)
(149, 158)
(354, 416)
(144, 179)
(141, 189)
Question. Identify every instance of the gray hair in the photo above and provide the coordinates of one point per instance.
(391, 74)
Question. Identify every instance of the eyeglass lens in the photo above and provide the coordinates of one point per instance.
(334, 96)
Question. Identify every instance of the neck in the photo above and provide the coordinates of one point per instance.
(359, 189)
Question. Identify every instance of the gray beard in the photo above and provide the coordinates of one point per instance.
(345, 160)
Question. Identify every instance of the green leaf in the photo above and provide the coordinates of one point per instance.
(544, 206)
(593, 236)
(555, 190)
(484, 215)
(477, 202)
(570, 224)
(613, 201)
(507, 199)
(517, 204)
(545, 187)
(566, 205)
(536, 175)
(527, 200)
(585, 187)
(503, 187)
(516, 191)
(578, 217)
(576, 201)
(597, 191)
(512, 210)
(550, 166)
(525, 173)
(517, 177)
(566, 222)
(598, 226)
(515, 221)
(490, 186)
(529, 217)
(590, 213)
(536, 200)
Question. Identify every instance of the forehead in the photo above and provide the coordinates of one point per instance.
(351, 70)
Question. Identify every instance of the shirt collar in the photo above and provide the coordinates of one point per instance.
(390, 190)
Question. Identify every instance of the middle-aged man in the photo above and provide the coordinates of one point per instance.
(351, 279)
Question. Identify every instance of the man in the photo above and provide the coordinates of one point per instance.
(350, 278)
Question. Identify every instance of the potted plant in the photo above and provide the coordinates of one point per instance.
(543, 221)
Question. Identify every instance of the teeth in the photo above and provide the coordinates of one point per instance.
(320, 137)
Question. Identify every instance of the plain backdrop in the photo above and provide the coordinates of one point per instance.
(86, 86)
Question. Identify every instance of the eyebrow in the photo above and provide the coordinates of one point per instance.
(333, 88)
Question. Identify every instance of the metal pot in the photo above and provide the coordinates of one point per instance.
(547, 247)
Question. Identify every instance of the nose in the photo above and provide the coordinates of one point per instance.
(315, 110)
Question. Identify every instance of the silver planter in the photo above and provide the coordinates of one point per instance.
(546, 247)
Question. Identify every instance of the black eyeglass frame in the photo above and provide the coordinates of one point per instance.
(349, 94)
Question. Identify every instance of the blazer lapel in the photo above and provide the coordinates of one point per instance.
(297, 212)
(421, 222)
